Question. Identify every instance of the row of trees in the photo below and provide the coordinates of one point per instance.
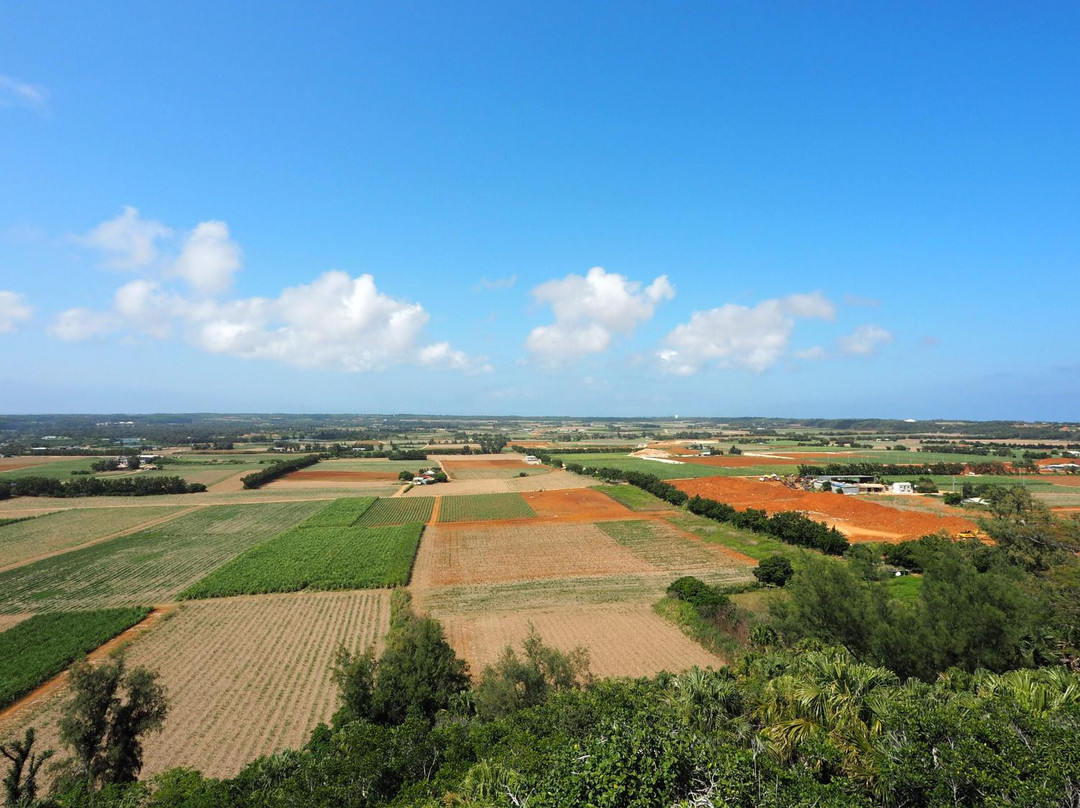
(97, 487)
(274, 471)
(789, 527)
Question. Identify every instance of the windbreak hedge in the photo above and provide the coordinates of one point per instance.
(99, 487)
(789, 527)
(272, 472)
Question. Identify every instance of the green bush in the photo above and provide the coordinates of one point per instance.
(775, 570)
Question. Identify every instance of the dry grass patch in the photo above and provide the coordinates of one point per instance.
(664, 546)
(626, 639)
(245, 676)
(489, 554)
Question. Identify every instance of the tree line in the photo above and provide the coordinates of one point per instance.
(97, 487)
(274, 471)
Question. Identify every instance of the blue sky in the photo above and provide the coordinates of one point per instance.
(831, 209)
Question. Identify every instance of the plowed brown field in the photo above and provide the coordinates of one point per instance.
(857, 518)
(460, 464)
(482, 553)
(624, 639)
(580, 502)
(245, 676)
(340, 476)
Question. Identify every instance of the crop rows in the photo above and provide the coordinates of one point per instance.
(481, 507)
(37, 649)
(397, 511)
(317, 558)
(341, 512)
(64, 529)
(149, 566)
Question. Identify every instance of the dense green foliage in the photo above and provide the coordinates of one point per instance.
(397, 511)
(482, 507)
(42, 646)
(700, 595)
(775, 570)
(341, 512)
(317, 558)
(257, 479)
(789, 527)
(135, 486)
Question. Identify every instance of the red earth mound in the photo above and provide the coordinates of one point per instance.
(857, 518)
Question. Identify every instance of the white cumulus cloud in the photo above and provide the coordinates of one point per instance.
(14, 311)
(80, 324)
(128, 241)
(589, 311)
(734, 336)
(209, 258)
(865, 340)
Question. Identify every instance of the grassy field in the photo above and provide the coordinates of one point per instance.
(39, 648)
(905, 587)
(665, 471)
(341, 512)
(479, 507)
(496, 474)
(397, 511)
(755, 545)
(57, 469)
(634, 498)
(660, 544)
(22, 540)
(317, 558)
(149, 566)
(947, 483)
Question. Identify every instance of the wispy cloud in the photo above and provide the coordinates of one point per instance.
(864, 341)
(496, 283)
(865, 302)
(19, 93)
(14, 311)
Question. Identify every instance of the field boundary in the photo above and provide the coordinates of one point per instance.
(110, 537)
(47, 688)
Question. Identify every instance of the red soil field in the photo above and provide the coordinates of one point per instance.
(1072, 480)
(857, 518)
(582, 502)
(483, 463)
(340, 476)
(1055, 461)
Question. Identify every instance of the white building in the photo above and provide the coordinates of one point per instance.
(903, 488)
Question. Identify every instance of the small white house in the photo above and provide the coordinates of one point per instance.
(421, 480)
(902, 488)
(532, 459)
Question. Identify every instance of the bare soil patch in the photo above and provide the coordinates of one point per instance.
(478, 553)
(580, 502)
(9, 620)
(340, 476)
(556, 480)
(245, 676)
(624, 639)
(857, 518)
(455, 463)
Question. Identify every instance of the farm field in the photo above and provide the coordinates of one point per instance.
(481, 554)
(635, 498)
(64, 529)
(577, 503)
(397, 511)
(341, 512)
(58, 468)
(245, 676)
(857, 518)
(483, 507)
(660, 544)
(317, 558)
(44, 645)
(665, 471)
(625, 639)
(147, 567)
(742, 543)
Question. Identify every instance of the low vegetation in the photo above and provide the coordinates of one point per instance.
(134, 486)
(482, 507)
(341, 512)
(42, 646)
(397, 511)
(789, 527)
(318, 558)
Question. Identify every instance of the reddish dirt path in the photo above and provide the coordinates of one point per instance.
(857, 518)
(118, 534)
(157, 614)
(436, 507)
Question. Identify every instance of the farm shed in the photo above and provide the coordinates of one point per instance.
(903, 488)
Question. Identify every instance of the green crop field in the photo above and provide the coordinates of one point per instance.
(341, 512)
(39, 648)
(317, 558)
(755, 545)
(150, 566)
(665, 471)
(397, 511)
(497, 474)
(58, 469)
(63, 529)
(946, 483)
(634, 498)
(480, 507)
